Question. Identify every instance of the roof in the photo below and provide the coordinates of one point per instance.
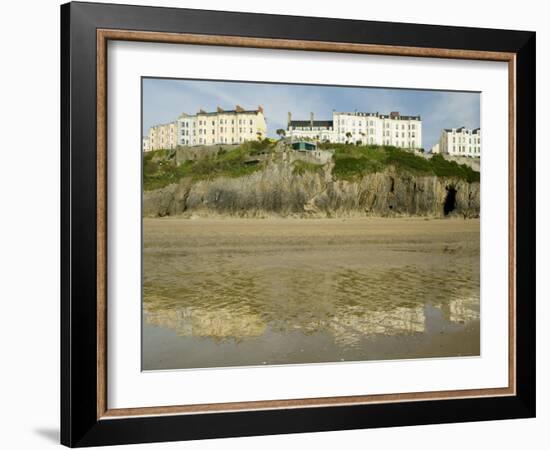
(308, 123)
(474, 131)
(386, 116)
(228, 111)
(358, 113)
(381, 116)
(163, 125)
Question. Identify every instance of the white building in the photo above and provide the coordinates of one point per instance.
(311, 130)
(161, 137)
(460, 142)
(435, 149)
(380, 129)
(221, 127)
(361, 127)
(146, 144)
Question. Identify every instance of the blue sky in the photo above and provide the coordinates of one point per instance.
(165, 99)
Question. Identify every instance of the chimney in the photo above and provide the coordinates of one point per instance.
(219, 109)
(239, 108)
(394, 114)
(202, 111)
(311, 119)
(260, 109)
(289, 117)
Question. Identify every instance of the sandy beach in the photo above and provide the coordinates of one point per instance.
(231, 292)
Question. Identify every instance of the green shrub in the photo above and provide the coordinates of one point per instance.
(444, 168)
(160, 168)
(301, 167)
(352, 162)
(408, 161)
(349, 168)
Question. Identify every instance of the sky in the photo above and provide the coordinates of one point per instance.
(165, 99)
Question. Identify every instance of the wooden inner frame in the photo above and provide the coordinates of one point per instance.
(104, 35)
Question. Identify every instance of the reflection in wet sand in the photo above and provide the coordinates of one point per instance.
(239, 292)
(222, 323)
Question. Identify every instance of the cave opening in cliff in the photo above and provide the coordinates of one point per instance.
(450, 201)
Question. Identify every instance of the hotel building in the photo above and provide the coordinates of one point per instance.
(460, 142)
(163, 136)
(360, 127)
(221, 127)
(146, 146)
(208, 128)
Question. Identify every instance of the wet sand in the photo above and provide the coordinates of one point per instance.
(232, 292)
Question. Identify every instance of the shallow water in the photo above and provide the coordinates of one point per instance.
(275, 291)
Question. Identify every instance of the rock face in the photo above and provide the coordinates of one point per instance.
(278, 190)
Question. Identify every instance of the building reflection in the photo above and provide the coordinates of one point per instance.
(219, 324)
(347, 325)
(348, 305)
(462, 310)
(350, 328)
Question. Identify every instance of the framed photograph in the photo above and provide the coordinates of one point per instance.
(276, 224)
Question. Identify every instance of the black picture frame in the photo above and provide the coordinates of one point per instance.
(80, 425)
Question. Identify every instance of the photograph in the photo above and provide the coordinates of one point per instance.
(300, 224)
(278, 224)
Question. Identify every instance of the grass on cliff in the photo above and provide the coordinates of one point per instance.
(352, 162)
(302, 167)
(160, 168)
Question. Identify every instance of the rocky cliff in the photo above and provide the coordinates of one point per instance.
(280, 190)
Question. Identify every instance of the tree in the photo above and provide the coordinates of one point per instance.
(281, 133)
(348, 135)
